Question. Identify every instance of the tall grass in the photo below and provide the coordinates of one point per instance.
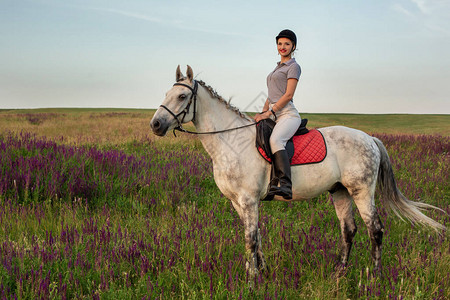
(35, 169)
(142, 218)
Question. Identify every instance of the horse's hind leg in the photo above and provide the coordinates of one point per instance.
(344, 211)
(366, 206)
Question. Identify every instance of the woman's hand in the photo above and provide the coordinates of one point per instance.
(262, 116)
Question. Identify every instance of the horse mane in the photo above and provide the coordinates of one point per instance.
(228, 105)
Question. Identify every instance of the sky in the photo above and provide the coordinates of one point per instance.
(356, 56)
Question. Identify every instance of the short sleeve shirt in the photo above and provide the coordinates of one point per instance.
(277, 79)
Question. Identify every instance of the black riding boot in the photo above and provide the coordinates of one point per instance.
(282, 170)
(273, 183)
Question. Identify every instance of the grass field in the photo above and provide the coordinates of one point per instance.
(92, 205)
(115, 126)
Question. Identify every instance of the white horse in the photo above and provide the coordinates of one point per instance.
(349, 172)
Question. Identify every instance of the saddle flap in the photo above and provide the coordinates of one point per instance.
(264, 129)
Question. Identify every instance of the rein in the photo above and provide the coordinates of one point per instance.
(212, 132)
(185, 111)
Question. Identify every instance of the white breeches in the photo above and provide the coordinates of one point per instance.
(287, 125)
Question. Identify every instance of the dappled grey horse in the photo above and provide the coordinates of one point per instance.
(349, 172)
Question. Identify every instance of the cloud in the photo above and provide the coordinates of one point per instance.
(399, 8)
(174, 23)
(432, 15)
(423, 6)
(128, 14)
(436, 8)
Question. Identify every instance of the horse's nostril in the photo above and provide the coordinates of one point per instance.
(156, 124)
(159, 126)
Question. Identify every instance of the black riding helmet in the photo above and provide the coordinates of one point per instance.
(288, 34)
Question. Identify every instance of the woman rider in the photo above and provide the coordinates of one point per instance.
(281, 84)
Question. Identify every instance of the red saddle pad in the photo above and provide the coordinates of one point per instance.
(309, 148)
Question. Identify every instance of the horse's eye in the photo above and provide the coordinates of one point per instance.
(182, 97)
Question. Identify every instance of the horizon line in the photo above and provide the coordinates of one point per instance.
(249, 112)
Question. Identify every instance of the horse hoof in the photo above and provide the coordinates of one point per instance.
(340, 270)
(377, 271)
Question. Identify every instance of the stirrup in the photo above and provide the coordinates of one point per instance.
(270, 194)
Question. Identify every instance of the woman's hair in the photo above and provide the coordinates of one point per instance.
(293, 51)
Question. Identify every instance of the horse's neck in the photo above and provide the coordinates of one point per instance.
(212, 115)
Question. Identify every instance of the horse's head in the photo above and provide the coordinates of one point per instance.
(179, 105)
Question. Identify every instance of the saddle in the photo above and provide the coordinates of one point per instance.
(305, 147)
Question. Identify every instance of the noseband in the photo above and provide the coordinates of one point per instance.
(185, 111)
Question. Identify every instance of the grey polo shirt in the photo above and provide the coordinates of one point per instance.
(277, 79)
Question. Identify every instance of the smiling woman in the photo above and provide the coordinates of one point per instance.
(281, 84)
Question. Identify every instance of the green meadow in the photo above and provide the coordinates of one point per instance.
(93, 205)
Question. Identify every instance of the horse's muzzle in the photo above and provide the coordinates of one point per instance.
(159, 126)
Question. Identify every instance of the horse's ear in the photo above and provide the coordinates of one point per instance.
(189, 73)
(179, 75)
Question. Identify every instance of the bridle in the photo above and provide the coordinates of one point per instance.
(185, 111)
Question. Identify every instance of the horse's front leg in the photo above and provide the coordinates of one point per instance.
(261, 261)
(247, 209)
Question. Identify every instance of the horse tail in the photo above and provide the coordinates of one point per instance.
(396, 200)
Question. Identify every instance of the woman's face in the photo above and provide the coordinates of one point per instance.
(285, 46)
